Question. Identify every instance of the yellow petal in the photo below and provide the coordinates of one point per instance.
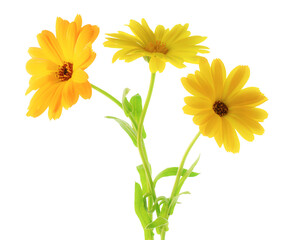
(253, 125)
(211, 126)
(38, 81)
(71, 37)
(175, 61)
(83, 57)
(89, 61)
(253, 113)
(193, 86)
(219, 134)
(206, 87)
(84, 89)
(80, 76)
(35, 52)
(87, 35)
(149, 32)
(193, 40)
(177, 33)
(230, 138)
(190, 111)
(198, 102)
(40, 66)
(250, 97)
(205, 70)
(69, 95)
(156, 64)
(235, 81)
(78, 21)
(55, 107)
(139, 31)
(202, 117)
(61, 31)
(50, 47)
(219, 75)
(41, 100)
(159, 32)
(241, 127)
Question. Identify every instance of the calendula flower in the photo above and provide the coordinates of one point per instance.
(221, 106)
(57, 67)
(175, 46)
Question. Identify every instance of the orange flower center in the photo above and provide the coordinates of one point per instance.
(158, 46)
(220, 108)
(65, 71)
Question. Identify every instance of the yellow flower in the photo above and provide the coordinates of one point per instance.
(175, 46)
(220, 105)
(57, 67)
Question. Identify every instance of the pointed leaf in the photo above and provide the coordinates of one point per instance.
(143, 178)
(187, 173)
(126, 105)
(181, 182)
(128, 129)
(160, 221)
(137, 107)
(139, 206)
(172, 172)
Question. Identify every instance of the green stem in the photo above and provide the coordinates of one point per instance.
(179, 173)
(107, 95)
(140, 143)
(180, 169)
(162, 234)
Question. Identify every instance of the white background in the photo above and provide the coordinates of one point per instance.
(73, 178)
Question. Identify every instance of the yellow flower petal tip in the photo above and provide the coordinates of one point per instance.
(221, 106)
(57, 67)
(175, 45)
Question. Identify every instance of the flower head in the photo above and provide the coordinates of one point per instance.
(221, 106)
(57, 67)
(175, 46)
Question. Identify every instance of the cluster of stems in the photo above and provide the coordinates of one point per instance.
(152, 203)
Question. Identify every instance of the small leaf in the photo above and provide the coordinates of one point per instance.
(146, 58)
(137, 107)
(143, 178)
(187, 192)
(126, 105)
(172, 172)
(186, 175)
(181, 182)
(139, 206)
(172, 204)
(158, 222)
(136, 102)
(128, 129)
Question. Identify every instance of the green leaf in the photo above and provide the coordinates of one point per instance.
(186, 192)
(158, 222)
(137, 107)
(146, 58)
(136, 102)
(175, 201)
(181, 182)
(143, 178)
(128, 129)
(126, 105)
(139, 206)
(172, 172)
(186, 174)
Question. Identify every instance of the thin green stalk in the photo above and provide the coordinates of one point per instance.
(180, 169)
(107, 95)
(162, 234)
(179, 172)
(140, 138)
(141, 145)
